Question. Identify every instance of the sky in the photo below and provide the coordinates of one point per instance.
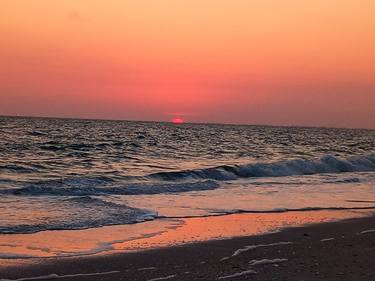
(275, 62)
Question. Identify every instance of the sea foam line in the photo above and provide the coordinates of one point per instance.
(252, 247)
(146, 268)
(266, 261)
(162, 278)
(367, 231)
(327, 239)
(246, 272)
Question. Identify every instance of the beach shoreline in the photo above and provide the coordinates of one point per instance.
(331, 250)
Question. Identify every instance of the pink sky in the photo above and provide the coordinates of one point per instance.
(273, 62)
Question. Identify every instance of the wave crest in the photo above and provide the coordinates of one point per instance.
(326, 164)
(192, 180)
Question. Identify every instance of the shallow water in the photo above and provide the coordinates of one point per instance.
(73, 174)
(21, 248)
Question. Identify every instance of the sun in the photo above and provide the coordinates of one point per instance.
(177, 120)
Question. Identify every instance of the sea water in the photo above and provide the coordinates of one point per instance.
(75, 174)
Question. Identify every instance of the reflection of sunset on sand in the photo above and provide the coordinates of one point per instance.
(155, 234)
(221, 227)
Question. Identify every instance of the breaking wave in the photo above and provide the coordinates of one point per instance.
(326, 164)
(81, 213)
(192, 180)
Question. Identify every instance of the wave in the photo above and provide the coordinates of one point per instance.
(194, 180)
(17, 168)
(38, 133)
(82, 213)
(288, 210)
(224, 212)
(86, 147)
(326, 164)
(90, 187)
(85, 212)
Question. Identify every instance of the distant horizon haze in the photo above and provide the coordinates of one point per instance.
(185, 122)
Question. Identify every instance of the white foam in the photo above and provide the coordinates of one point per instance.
(146, 268)
(266, 261)
(294, 167)
(162, 278)
(56, 276)
(368, 231)
(327, 239)
(252, 247)
(246, 272)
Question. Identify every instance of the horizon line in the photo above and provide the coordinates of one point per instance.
(186, 123)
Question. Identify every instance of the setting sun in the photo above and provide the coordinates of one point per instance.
(177, 120)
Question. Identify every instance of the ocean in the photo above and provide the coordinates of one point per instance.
(75, 174)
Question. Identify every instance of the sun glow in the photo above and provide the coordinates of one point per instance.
(177, 120)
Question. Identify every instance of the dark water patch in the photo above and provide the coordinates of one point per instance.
(38, 133)
(17, 168)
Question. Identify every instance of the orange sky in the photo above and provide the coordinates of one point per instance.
(288, 62)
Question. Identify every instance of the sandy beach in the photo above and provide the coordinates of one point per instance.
(341, 250)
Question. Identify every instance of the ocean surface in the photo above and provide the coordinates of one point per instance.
(74, 174)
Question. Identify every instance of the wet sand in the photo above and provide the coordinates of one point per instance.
(343, 250)
(156, 234)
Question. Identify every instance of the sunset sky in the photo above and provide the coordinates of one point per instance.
(279, 62)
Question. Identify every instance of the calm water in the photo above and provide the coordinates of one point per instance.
(70, 174)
